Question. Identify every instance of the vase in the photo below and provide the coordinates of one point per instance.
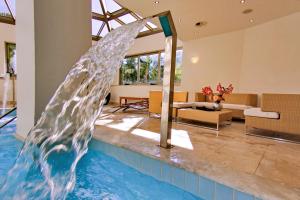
(217, 106)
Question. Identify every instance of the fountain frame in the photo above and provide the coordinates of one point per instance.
(170, 33)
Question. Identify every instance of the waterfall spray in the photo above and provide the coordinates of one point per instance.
(46, 165)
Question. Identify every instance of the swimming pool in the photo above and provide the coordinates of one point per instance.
(99, 176)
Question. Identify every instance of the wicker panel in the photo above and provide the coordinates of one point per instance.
(243, 99)
(199, 97)
(237, 114)
(288, 105)
(181, 96)
(204, 116)
(283, 103)
(155, 100)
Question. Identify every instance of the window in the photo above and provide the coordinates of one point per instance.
(129, 71)
(148, 68)
(11, 58)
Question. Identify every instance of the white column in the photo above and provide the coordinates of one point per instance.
(51, 36)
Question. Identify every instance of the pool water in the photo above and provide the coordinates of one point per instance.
(98, 176)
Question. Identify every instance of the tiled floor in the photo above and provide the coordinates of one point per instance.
(264, 167)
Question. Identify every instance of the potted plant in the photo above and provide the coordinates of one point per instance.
(217, 97)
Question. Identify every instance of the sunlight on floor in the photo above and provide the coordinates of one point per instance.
(103, 122)
(125, 124)
(180, 138)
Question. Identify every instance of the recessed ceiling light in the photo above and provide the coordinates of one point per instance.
(243, 1)
(251, 20)
(199, 24)
(156, 2)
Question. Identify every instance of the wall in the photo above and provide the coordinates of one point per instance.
(26, 66)
(211, 60)
(271, 57)
(7, 34)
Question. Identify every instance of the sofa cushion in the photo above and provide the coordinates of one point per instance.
(183, 104)
(257, 112)
(204, 104)
(235, 106)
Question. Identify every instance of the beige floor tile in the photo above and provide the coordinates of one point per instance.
(198, 149)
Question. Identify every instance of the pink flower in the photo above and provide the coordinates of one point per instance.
(229, 89)
(220, 89)
(207, 90)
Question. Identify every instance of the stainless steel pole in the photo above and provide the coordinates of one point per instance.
(168, 85)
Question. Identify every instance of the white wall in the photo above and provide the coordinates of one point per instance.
(211, 60)
(26, 66)
(7, 34)
(261, 59)
(271, 57)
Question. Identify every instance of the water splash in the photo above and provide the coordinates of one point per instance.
(45, 168)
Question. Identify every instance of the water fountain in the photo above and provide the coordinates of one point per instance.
(45, 168)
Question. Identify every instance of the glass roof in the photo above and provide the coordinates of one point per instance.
(7, 11)
(106, 16)
(111, 6)
(128, 18)
(96, 7)
(113, 15)
(96, 25)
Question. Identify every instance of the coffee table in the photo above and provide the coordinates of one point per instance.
(137, 103)
(212, 117)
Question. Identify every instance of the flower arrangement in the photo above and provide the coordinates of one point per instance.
(218, 96)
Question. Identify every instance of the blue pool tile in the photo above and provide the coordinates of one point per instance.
(223, 192)
(191, 183)
(243, 196)
(166, 173)
(132, 159)
(115, 152)
(206, 188)
(178, 177)
(151, 167)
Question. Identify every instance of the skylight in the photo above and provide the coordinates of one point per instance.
(114, 15)
(3, 8)
(114, 24)
(104, 31)
(128, 18)
(7, 11)
(111, 6)
(12, 6)
(96, 25)
(96, 7)
(106, 16)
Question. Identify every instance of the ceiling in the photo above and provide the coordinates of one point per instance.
(221, 15)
